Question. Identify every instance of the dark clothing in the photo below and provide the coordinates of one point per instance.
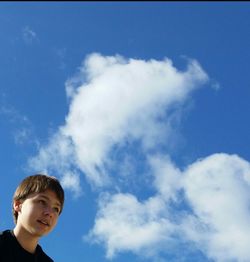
(12, 251)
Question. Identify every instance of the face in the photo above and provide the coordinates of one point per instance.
(38, 214)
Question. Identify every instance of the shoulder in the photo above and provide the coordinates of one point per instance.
(42, 255)
(4, 235)
(5, 245)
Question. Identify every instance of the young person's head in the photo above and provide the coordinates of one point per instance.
(43, 192)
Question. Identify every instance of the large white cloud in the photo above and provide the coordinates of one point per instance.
(216, 189)
(114, 100)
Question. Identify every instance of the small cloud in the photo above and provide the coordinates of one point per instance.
(21, 136)
(22, 129)
(61, 55)
(215, 85)
(71, 180)
(29, 35)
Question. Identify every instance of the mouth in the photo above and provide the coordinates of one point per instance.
(43, 222)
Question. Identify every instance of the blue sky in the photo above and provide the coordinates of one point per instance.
(142, 111)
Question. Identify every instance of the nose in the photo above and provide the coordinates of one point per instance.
(48, 211)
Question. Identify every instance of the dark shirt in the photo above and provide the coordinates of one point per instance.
(12, 251)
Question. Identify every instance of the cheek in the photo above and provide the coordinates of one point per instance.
(55, 221)
(29, 211)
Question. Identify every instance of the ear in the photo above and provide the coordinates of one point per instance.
(17, 205)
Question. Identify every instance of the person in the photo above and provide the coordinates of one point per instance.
(37, 203)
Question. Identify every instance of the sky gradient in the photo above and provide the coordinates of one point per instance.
(141, 110)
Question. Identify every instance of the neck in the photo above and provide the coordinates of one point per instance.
(25, 239)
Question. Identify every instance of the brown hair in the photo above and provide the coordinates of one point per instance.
(37, 183)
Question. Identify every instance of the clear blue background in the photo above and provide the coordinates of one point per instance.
(33, 73)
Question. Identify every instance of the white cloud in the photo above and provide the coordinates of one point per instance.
(145, 227)
(114, 100)
(216, 189)
(71, 180)
(168, 178)
(125, 224)
(58, 156)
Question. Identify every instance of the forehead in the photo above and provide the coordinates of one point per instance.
(48, 195)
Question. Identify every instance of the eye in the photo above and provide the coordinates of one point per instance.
(56, 210)
(41, 201)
